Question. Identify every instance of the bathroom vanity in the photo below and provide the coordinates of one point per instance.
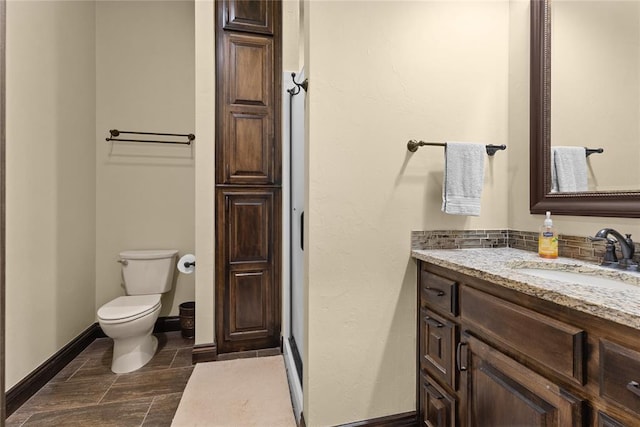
(498, 346)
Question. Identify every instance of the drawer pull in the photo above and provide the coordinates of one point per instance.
(433, 322)
(434, 392)
(634, 388)
(438, 292)
(459, 364)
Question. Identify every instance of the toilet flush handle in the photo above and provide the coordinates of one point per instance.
(123, 261)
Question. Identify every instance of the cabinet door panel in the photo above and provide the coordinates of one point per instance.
(502, 392)
(248, 15)
(246, 146)
(249, 69)
(249, 308)
(247, 257)
(250, 226)
(438, 338)
(605, 420)
(437, 407)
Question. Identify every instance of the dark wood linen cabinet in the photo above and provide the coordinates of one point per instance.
(248, 174)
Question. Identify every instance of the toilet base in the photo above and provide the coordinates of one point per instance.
(130, 354)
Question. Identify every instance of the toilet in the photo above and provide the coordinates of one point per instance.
(129, 319)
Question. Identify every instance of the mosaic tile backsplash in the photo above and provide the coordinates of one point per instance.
(577, 247)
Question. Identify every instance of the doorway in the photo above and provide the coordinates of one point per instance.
(294, 308)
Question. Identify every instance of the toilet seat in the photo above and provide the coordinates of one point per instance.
(127, 308)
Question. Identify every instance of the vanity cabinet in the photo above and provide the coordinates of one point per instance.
(492, 356)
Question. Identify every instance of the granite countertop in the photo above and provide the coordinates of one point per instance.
(500, 266)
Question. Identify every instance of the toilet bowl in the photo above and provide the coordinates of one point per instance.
(129, 319)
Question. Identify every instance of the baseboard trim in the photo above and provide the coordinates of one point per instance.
(28, 386)
(204, 353)
(397, 420)
(167, 324)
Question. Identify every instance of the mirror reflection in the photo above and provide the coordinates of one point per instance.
(595, 95)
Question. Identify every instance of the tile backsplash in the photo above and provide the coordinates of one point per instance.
(577, 247)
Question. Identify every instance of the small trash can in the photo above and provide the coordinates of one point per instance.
(188, 319)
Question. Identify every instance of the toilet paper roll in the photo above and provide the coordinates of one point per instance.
(187, 264)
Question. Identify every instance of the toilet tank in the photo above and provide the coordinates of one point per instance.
(148, 272)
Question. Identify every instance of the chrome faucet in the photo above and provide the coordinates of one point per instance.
(626, 246)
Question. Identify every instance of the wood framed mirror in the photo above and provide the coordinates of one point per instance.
(589, 203)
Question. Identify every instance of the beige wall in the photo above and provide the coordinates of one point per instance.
(50, 225)
(145, 79)
(386, 73)
(205, 171)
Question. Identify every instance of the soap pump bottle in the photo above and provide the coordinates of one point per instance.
(548, 239)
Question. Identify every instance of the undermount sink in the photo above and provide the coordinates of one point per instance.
(578, 274)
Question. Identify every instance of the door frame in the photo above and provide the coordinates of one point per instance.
(3, 39)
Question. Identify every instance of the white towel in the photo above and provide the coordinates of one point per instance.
(568, 169)
(463, 178)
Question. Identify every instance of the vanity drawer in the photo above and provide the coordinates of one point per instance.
(439, 293)
(620, 375)
(534, 336)
(436, 407)
(438, 338)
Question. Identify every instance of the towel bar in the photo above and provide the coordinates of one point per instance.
(413, 146)
(115, 132)
(591, 151)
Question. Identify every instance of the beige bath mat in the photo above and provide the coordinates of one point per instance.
(237, 393)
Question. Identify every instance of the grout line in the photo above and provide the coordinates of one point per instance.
(174, 359)
(107, 390)
(148, 410)
(76, 371)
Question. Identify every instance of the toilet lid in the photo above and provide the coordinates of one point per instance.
(128, 306)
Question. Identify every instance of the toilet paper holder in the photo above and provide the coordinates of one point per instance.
(188, 264)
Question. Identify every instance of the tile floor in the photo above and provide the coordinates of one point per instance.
(87, 393)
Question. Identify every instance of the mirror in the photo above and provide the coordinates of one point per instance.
(615, 199)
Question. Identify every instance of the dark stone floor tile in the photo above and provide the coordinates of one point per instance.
(151, 383)
(162, 411)
(17, 418)
(97, 348)
(161, 360)
(69, 394)
(173, 340)
(95, 367)
(68, 371)
(183, 358)
(120, 414)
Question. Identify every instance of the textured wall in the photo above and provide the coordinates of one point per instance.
(145, 80)
(385, 73)
(50, 179)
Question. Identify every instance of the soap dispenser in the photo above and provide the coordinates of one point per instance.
(548, 239)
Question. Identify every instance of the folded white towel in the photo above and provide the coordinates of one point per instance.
(568, 169)
(463, 178)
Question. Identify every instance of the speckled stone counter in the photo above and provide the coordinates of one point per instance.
(501, 266)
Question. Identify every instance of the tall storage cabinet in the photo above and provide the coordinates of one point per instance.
(248, 174)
